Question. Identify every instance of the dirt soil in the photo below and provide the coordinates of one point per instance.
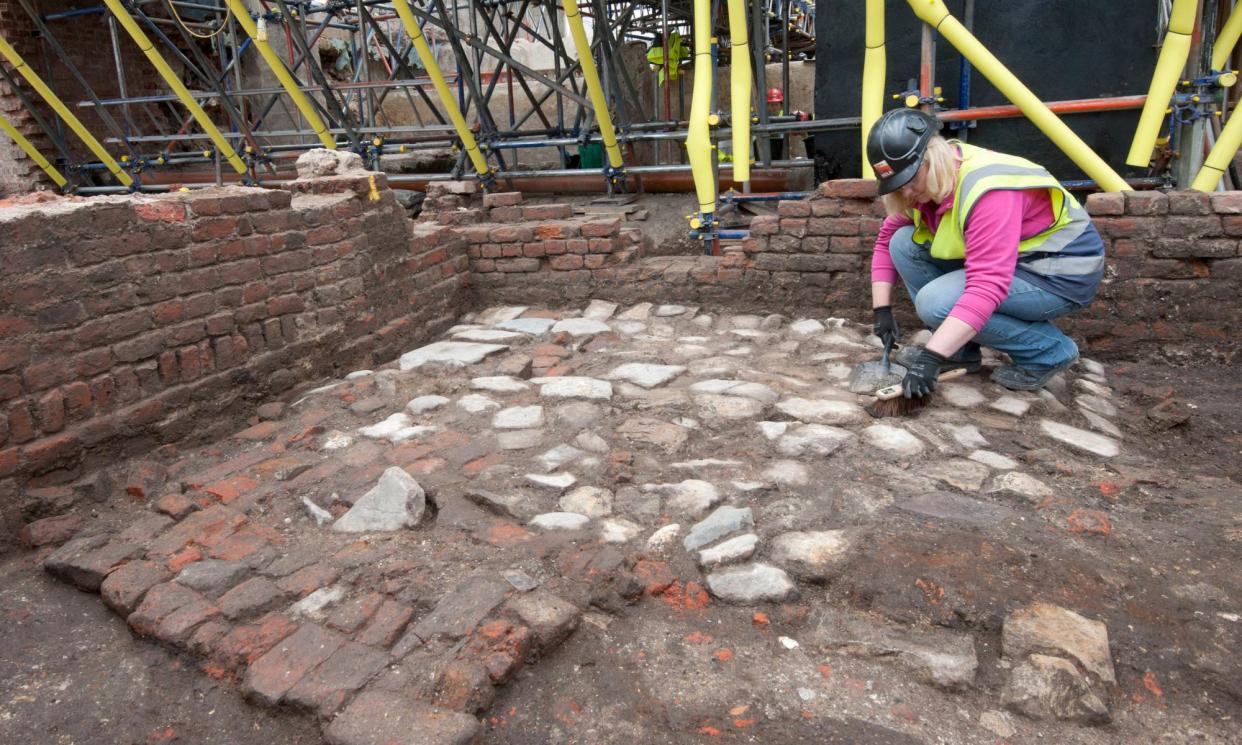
(1147, 543)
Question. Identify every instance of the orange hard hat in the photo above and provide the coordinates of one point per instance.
(775, 95)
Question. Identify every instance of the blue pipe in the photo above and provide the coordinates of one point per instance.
(726, 234)
(98, 9)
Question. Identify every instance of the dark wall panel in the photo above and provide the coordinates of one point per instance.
(1061, 49)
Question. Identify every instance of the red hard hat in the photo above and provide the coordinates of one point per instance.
(775, 95)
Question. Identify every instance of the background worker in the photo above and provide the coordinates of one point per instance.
(776, 107)
(990, 247)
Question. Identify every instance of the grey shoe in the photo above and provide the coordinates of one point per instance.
(1017, 379)
(969, 358)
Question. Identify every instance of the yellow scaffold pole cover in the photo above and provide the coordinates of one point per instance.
(428, 59)
(1222, 50)
(874, 62)
(699, 140)
(144, 43)
(273, 60)
(937, 15)
(34, 154)
(1221, 156)
(739, 89)
(1173, 55)
(596, 91)
(63, 112)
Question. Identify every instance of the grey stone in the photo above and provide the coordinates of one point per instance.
(519, 439)
(518, 417)
(814, 555)
(1011, 405)
(735, 549)
(664, 311)
(618, 530)
(1051, 629)
(721, 522)
(570, 386)
(805, 328)
(993, 460)
(559, 456)
(578, 414)
(531, 326)
(750, 583)
(521, 581)
(1021, 484)
(892, 440)
(640, 312)
(489, 335)
(967, 435)
(499, 384)
(474, 403)
(728, 408)
(580, 327)
(460, 611)
(549, 617)
(212, 577)
(958, 473)
(321, 516)
(951, 506)
(814, 439)
(757, 391)
(591, 442)
(1100, 423)
(819, 411)
(1080, 438)
(314, 604)
(425, 403)
(663, 538)
(591, 501)
(559, 521)
(941, 657)
(320, 163)
(961, 396)
(599, 310)
(646, 375)
(501, 313)
(690, 497)
(368, 405)
(558, 481)
(517, 506)
(664, 435)
(396, 428)
(460, 352)
(396, 501)
(997, 722)
(787, 473)
(378, 717)
(1045, 687)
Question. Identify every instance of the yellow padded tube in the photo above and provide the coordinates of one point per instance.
(35, 155)
(170, 77)
(935, 13)
(739, 89)
(1221, 155)
(699, 140)
(242, 14)
(432, 67)
(874, 62)
(1173, 55)
(1228, 39)
(63, 112)
(589, 72)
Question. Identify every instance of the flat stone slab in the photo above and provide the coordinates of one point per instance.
(959, 473)
(730, 551)
(1011, 405)
(500, 314)
(1080, 439)
(581, 327)
(1100, 423)
(728, 408)
(619, 530)
(960, 395)
(646, 375)
(518, 417)
(805, 328)
(811, 554)
(489, 335)
(1097, 404)
(1050, 629)
(949, 506)
(475, 403)
(941, 657)
(599, 310)
(893, 440)
(722, 522)
(396, 428)
(571, 386)
(788, 473)
(530, 326)
(742, 388)
(559, 521)
(667, 436)
(1022, 484)
(552, 480)
(425, 403)
(750, 584)
(591, 501)
(690, 497)
(517, 506)
(813, 439)
(395, 502)
(460, 352)
(822, 411)
(519, 439)
(499, 384)
(993, 460)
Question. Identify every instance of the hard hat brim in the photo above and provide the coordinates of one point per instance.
(890, 184)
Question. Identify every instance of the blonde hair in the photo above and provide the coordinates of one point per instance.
(941, 160)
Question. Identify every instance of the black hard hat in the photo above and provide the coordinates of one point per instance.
(896, 145)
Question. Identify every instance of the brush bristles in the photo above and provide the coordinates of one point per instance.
(899, 406)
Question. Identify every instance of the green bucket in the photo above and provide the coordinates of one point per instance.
(591, 156)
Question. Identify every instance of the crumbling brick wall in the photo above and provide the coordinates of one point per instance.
(128, 323)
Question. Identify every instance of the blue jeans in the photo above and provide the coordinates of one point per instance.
(1020, 325)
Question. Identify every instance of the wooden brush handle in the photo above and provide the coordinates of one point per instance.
(888, 393)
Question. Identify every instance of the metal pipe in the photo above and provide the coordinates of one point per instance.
(1173, 55)
(586, 61)
(935, 13)
(1077, 106)
(874, 61)
(75, 124)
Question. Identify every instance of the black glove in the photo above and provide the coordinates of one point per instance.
(885, 325)
(920, 377)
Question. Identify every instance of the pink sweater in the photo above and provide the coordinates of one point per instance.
(998, 222)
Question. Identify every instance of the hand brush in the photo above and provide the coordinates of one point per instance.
(890, 402)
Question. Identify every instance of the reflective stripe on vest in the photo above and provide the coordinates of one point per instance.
(983, 171)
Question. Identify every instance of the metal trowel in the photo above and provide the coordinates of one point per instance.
(870, 377)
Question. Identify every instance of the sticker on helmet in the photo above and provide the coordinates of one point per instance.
(883, 169)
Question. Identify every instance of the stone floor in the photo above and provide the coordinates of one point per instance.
(671, 491)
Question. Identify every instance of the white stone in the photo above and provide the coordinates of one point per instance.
(1092, 366)
(518, 417)
(530, 326)
(773, 430)
(559, 521)
(581, 327)
(645, 375)
(396, 501)
(425, 403)
(474, 403)
(750, 583)
(706, 463)
(501, 313)
(1011, 405)
(744, 322)
(559, 456)
(629, 328)
(1102, 424)
(757, 391)
(787, 473)
(703, 319)
(591, 442)
(321, 516)
(591, 501)
(993, 460)
(336, 440)
(838, 372)
(499, 384)
(690, 497)
(640, 312)
(664, 537)
(967, 435)
(814, 439)
(618, 530)
(959, 473)
(460, 352)
(489, 335)
(711, 406)
(737, 548)
(998, 723)
(1093, 388)
(819, 411)
(1080, 438)
(559, 481)
(1022, 484)
(893, 440)
(574, 387)
(1097, 404)
(1044, 628)
(961, 396)
(805, 328)
(814, 554)
(599, 310)
(722, 522)
(396, 428)
(359, 374)
(664, 311)
(314, 604)
(519, 439)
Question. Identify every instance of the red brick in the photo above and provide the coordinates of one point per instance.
(351, 615)
(175, 506)
(306, 580)
(77, 398)
(238, 546)
(601, 228)
(1106, 203)
(170, 612)
(255, 595)
(49, 451)
(387, 624)
(788, 208)
(229, 489)
(271, 676)
(1190, 203)
(566, 262)
(10, 461)
(547, 212)
(10, 387)
(245, 644)
(1146, 203)
(124, 589)
(50, 530)
(1227, 203)
(502, 199)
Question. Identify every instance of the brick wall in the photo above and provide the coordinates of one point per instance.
(128, 323)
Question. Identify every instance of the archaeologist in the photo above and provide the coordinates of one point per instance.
(776, 108)
(991, 249)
